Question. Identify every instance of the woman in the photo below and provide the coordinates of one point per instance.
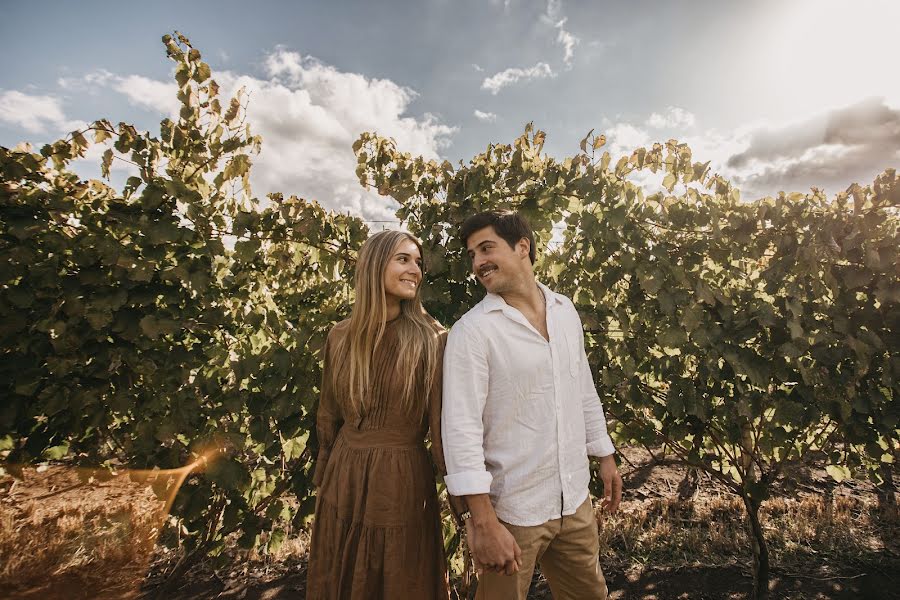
(377, 531)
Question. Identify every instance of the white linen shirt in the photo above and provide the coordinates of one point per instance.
(521, 414)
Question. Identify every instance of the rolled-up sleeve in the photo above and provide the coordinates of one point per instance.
(465, 388)
(598, 441)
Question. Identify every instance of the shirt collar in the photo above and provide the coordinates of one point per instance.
(494, 302)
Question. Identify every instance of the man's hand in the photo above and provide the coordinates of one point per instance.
(612, 484)
(493, 547)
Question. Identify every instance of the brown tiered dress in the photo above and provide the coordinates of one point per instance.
(377, 531)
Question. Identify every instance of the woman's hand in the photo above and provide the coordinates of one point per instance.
(470, 536)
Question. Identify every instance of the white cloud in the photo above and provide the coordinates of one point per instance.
(554, 9)
(830, 150)
(308, 114)
(511, 76)
(623, 138)
(487, 117)
(568, 42)
(149, 93)
(35, 114)
(92, 82)
(553, 16)
(478, 68)
(140, 91)
(673, 118)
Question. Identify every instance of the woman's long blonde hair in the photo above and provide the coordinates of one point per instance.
(417, 333)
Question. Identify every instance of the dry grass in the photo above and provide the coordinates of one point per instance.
(58, 535)
(710, 530)
(296, 546)
(73, 542)
(79, 537)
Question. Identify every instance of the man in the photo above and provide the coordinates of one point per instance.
(520, 417)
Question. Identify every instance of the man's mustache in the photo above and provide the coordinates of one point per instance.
(484, 269)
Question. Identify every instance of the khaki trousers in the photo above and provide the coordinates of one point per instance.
(567, 549)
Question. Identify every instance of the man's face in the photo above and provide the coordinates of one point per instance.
(497, 266)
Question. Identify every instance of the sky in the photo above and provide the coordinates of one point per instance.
(779, 95)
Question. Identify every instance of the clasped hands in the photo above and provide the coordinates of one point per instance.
(495, 549)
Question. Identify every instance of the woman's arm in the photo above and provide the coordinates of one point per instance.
(457, 504)
(328, 415)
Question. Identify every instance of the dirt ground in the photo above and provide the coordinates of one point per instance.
(63, 535)
(660, 583)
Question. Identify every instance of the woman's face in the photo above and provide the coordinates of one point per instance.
(403, 273)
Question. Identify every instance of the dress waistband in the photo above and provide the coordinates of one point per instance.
(381, 438)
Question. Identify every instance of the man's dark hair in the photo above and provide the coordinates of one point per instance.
(509, 225)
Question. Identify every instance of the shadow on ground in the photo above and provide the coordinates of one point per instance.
(702, 583)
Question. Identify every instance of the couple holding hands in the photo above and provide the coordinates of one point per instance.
(508, 401)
